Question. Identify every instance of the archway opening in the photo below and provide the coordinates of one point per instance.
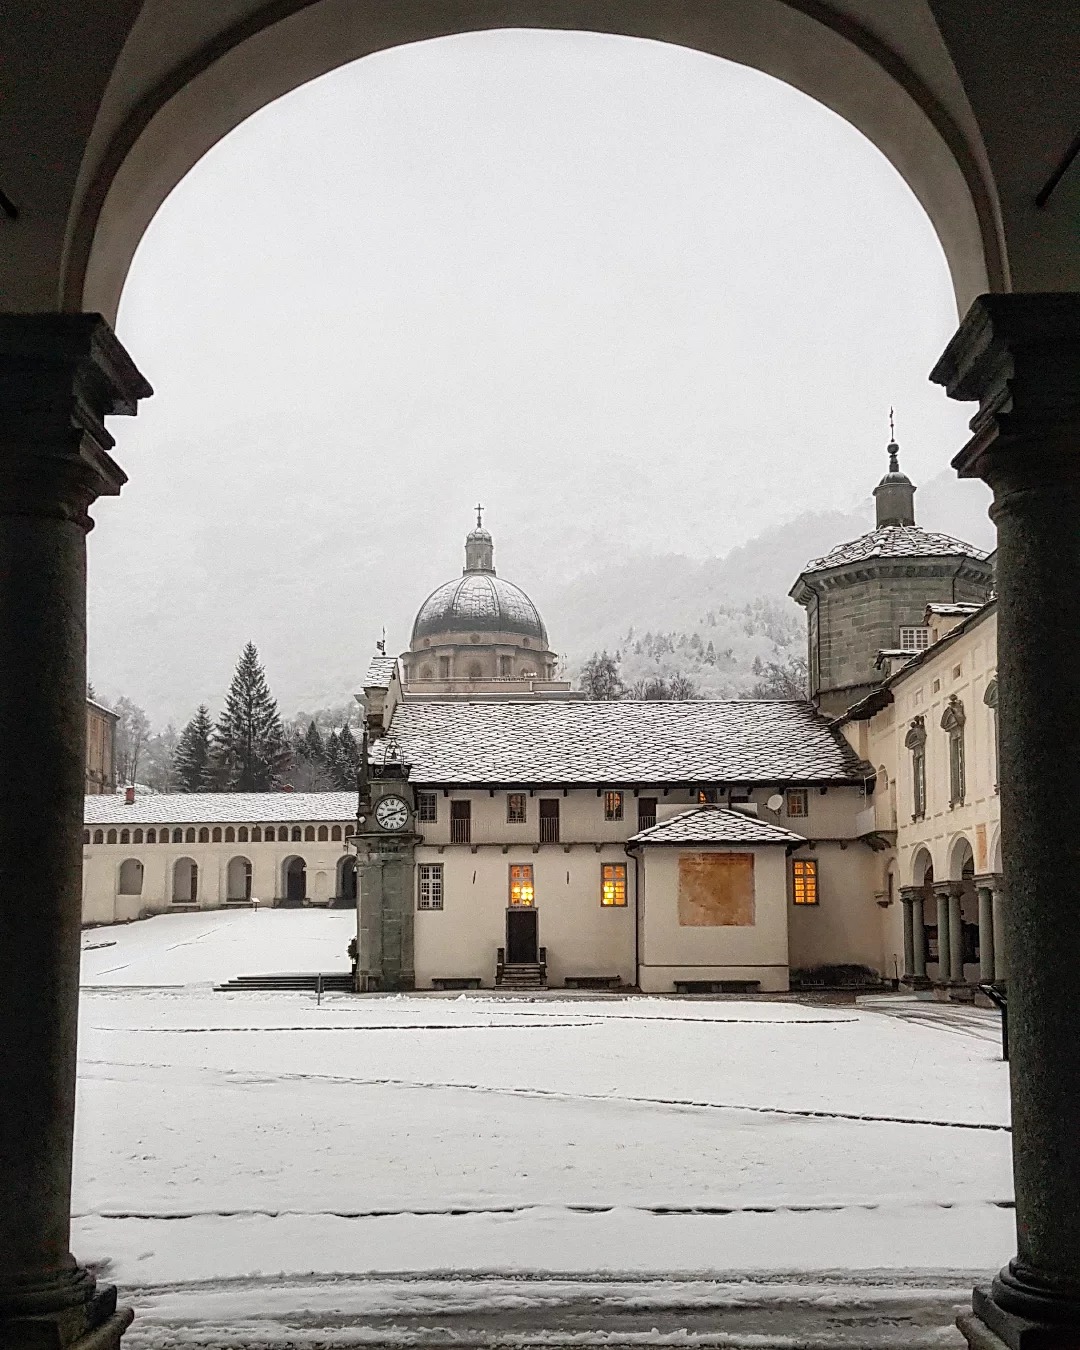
(346, 883)
(238, 881)
(130, 881)
(294, 882)
(185, 887)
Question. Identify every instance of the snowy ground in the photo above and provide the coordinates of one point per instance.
(260, 1159)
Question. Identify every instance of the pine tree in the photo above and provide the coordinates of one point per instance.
(311, 746)
(348, 759)
(333, 758)
(249, 743)
(192, 767)
(600, 677)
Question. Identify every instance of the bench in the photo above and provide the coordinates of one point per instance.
(445, 982)
(593, 982)
(717, 986)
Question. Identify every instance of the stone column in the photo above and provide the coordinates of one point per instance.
(60, 375)
(956, 935)
(986, 934)
(908, 901)
(919, 936)
(944, 945)
(998, 904)
(1019, 355)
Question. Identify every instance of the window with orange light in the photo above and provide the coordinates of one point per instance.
(613, 884)
(522, 892)
(804, 879)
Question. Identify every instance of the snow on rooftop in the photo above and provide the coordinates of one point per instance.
(895, 541)
(715, 825)
(195, 808)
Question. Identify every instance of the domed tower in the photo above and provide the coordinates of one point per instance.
(870, 595)
(478, 634)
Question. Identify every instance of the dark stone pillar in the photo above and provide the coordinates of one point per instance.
(60, 375)
(1019, 356)
(944, 935)
(986, 933)
(908, 902)
(914, 938)
(956, 934)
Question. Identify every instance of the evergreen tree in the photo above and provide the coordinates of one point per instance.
(249, 743)
(311, 746)
(348, 759)
(333, 758)
(192, 765)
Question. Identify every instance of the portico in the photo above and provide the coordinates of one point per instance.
(134, 97)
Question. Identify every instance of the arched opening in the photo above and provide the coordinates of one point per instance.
(110, 838)
(185, 878)
(136, 836)
(189, 835)
(230, 835)
(270, 834)
(151, 836)
(125, 836)
(238, 880)
(215, 836)
(294, 881)
(309, 833)
(130, 879)
(324, 834)
(345, 894)
(335, 834)
(204, 835)
(297, 834)
(178, 836)
(962, 871)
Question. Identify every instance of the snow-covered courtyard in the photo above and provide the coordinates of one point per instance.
(234, 1151)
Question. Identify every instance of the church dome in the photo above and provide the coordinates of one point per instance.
(479, 602)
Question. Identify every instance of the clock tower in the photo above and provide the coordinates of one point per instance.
(384, 840)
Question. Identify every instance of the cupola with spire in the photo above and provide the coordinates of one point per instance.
(894, 496)
(479, 549)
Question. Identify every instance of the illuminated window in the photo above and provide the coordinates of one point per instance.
(797, 803)
(516, 808)
(522, 892)
(427, 807)
(612, 884)
(430, 892)
(706, 796)
(804, 875)
(914, 639)
(613, 806)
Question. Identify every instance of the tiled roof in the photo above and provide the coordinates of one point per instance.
(895, 541)
(565, 742)
(952, 610)
(379, 672)
(233, 808)
(715, 825)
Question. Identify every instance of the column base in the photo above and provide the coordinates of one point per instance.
(96, 1325)
(989, 1326)
(917, 983)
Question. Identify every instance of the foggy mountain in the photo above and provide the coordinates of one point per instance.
(316, 619)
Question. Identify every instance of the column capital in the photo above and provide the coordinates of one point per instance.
(61, 375)
(909, 894)
(1019, 356)
(949, 890)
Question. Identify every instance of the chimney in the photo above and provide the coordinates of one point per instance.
(129, 796)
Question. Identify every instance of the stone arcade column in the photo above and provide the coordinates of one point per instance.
(907, 899)
(1019, 356)
(956, 934)
(944, 943)
(997, 904)
(986, 933)
(60, 375)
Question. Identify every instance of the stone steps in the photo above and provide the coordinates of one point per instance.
(338, 982)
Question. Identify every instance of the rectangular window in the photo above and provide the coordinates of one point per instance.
(522, 893)
(430, 887)
(516, 808)
(914, 639)
(957, 769)
(613, 806)
(918, 782)
(797, 803)
(613, 884)
(549, 820)
(427, 807)
(646, 812)
(804, 877)
(461, 822)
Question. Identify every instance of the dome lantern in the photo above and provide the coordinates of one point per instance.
(479, 549)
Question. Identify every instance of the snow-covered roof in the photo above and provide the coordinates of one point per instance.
(612, 743)
(952, 610)
(895, 541)
(101, 708)
(234, 808)
(715, 825)
(379, 672)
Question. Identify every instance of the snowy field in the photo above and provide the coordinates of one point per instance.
(257, 1156)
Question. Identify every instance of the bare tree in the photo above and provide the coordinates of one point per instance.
(132, 730)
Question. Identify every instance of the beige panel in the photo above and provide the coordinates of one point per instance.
(716, 890)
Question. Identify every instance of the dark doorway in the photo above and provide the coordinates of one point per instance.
(295, 881)
(521, 944)
(549, 820)
(346, 896)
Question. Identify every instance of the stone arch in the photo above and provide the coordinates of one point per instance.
(922, 867)
(129, 880)
(144, 142)
(994, 853)
(110, 838)
(309, 833)
(345, 890)
(324, 834)
(238, 879)
(961, 859)
(294, 880)
(204, 835)
(185, 882)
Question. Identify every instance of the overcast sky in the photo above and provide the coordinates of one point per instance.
(633, 298)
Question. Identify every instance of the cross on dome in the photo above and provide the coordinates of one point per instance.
(479, 516)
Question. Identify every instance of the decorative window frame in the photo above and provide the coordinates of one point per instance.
(952, 722)
(915, 741)
(805, 883)
(430, 886)
(613, 885)
(799, 799)
(517, 808)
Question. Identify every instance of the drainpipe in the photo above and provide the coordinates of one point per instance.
(630, 853)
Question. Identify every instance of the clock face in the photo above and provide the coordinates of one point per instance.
(392, 813)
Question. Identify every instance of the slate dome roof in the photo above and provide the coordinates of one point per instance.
(895, 541)
(479, 602)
